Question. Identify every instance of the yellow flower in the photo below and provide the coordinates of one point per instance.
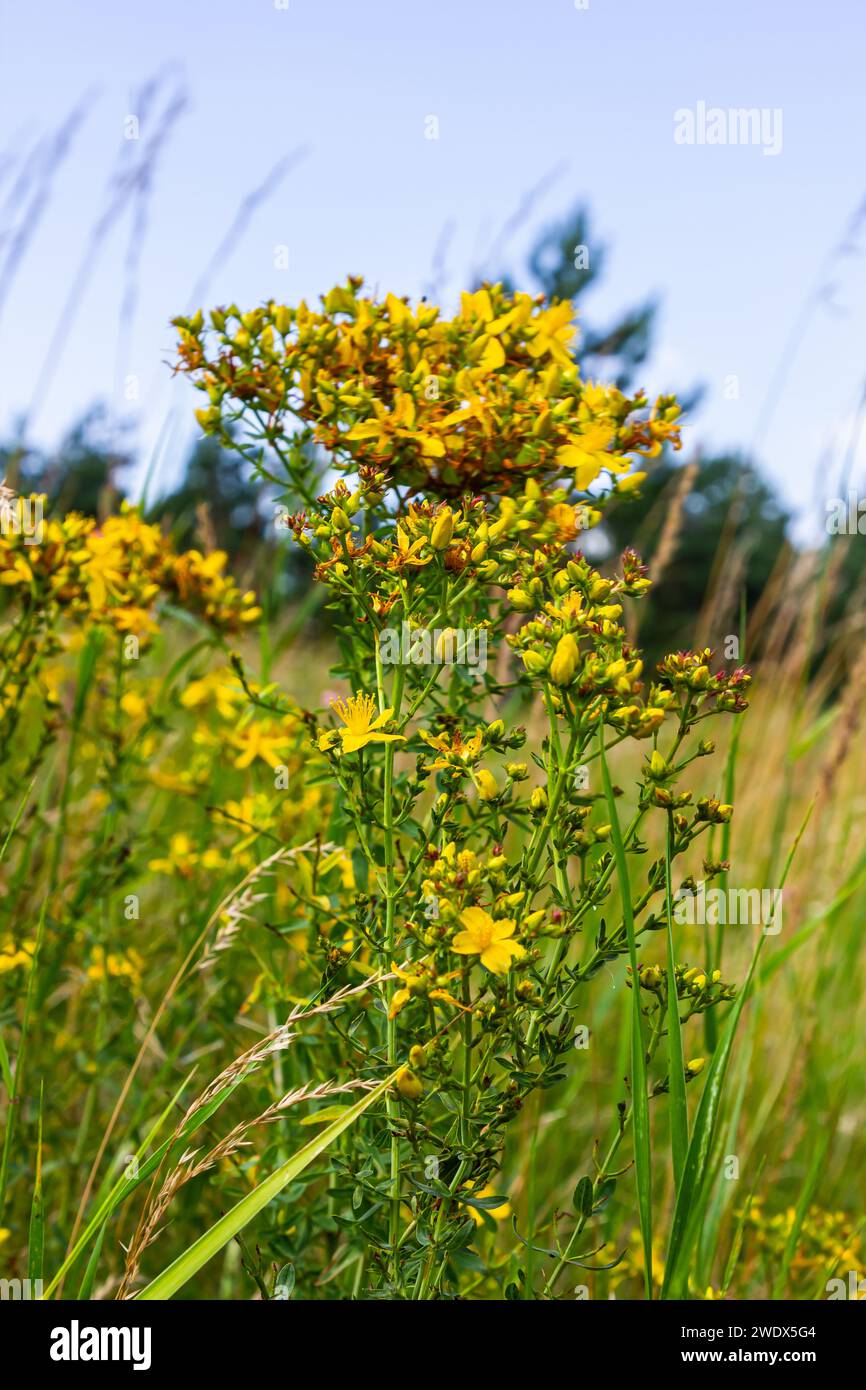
(564, 518)
(554, 330)
(443, 529)
(112, 964)
(218, 687)
(134, 619)
(357, 713)
(630, 482)
(409, 1085)
(181, 857)
(455, 752)
(11, 956)
(106, 569)
(20, 573)
(412, 982)
(407, 554)
(418, 982)
(133, 705)
(486, 784)
(259, 741)
(488, 939)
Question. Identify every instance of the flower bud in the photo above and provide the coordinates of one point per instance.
(409, 1085)
(209, 418)
(520, 600)
(516, 771)
(564, 663)
(486, 784)
(443, 529)
(658, 767)
(630, 482)
(534, 662)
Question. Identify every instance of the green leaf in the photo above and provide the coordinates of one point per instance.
(5, 1069)
(284, 1284)
(181, 1270)
(807, 1192)
(87, 1282)
(582, 1199)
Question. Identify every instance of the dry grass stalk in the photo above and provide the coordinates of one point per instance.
(266, 866)
(190, 1165)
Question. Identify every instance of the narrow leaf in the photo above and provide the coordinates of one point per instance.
(640, 1102)
(181, 1270)
(679, 1114)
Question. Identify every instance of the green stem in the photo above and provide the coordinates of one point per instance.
(390, 938)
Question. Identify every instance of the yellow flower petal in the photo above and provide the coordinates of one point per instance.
(475, 919)
(498, 956)
(465, 944)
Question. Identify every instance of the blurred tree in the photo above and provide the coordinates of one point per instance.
(84, 472)
(727, 492)
(565, 261)
(731, 530)
(216, 495)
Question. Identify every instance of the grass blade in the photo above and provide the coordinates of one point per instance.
(640, 1100)
(739, 1232)
(166, 1284)
(36, 1239)
(807, 1192)
(122, 1188)
(87, 1282)
(679, 1113)
(694, 1192)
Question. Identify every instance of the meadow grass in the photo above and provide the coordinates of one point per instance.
(791, 1108)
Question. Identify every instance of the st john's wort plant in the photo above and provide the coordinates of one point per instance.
(494, 874)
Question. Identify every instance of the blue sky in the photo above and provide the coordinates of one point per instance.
(733, 241)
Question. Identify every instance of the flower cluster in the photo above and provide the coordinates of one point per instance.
(114, 574)
(829, 1243)
(472, 403)
(453, 904)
